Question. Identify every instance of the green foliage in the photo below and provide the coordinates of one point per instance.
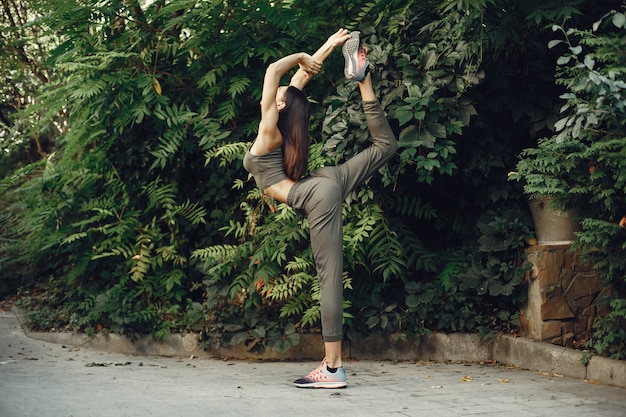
(24, 47)
(549, 168)
(610, 334)
(583, 163)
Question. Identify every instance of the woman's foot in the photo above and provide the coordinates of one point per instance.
(357, 65)
(322, 377)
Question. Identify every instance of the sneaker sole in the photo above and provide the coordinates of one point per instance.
(330, 385)
(349, 50)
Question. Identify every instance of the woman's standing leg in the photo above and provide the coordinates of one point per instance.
(348, 176)
(321, 199)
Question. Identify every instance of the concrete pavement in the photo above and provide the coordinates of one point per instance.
(44, 379)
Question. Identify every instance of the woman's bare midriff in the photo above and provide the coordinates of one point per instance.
(280, 190)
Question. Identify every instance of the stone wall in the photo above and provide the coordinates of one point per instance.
(561, 297)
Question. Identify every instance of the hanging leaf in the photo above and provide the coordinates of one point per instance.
(157, 86)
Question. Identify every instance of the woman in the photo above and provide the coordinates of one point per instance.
(278, 159)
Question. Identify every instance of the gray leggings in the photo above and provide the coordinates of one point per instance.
(321, 195)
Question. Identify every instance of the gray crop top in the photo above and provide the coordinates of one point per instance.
(267, 169)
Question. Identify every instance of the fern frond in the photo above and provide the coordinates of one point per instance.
(173, 279)
(217, 252)
(210, 132)
(290, 286)
(89, 89)
(123, 251)
(386, 252)
(295, 306)
(299, 264)
(193, 212)
(143, 259)
(161, 195)
(412, 206)
(170, 253)
(311, 316)
(241, 284)
(238, 85)
(227, 153)
(74, 237)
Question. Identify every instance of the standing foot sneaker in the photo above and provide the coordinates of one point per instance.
(356, 65)
(323, 378)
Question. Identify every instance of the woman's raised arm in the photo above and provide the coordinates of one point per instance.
(269, 137)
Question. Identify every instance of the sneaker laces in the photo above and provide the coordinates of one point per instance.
(320, 373)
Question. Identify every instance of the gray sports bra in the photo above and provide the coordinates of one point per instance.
(267, 169)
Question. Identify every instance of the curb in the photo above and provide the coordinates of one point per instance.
(540, 357)
(439, 347)
(607, 371)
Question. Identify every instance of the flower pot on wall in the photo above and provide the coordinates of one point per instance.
(552, 227)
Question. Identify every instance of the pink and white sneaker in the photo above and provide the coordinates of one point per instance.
(356, 65)
(321, 377)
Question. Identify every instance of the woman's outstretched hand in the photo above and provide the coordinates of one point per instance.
(339, 38)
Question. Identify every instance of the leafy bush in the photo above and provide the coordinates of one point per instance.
(584, 162)
(412, 286)
(594, 118)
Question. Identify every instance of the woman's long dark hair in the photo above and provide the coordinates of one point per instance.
(293, 123)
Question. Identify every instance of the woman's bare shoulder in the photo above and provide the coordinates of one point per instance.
(264, 144)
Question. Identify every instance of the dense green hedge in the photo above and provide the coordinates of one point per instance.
(140, 217)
